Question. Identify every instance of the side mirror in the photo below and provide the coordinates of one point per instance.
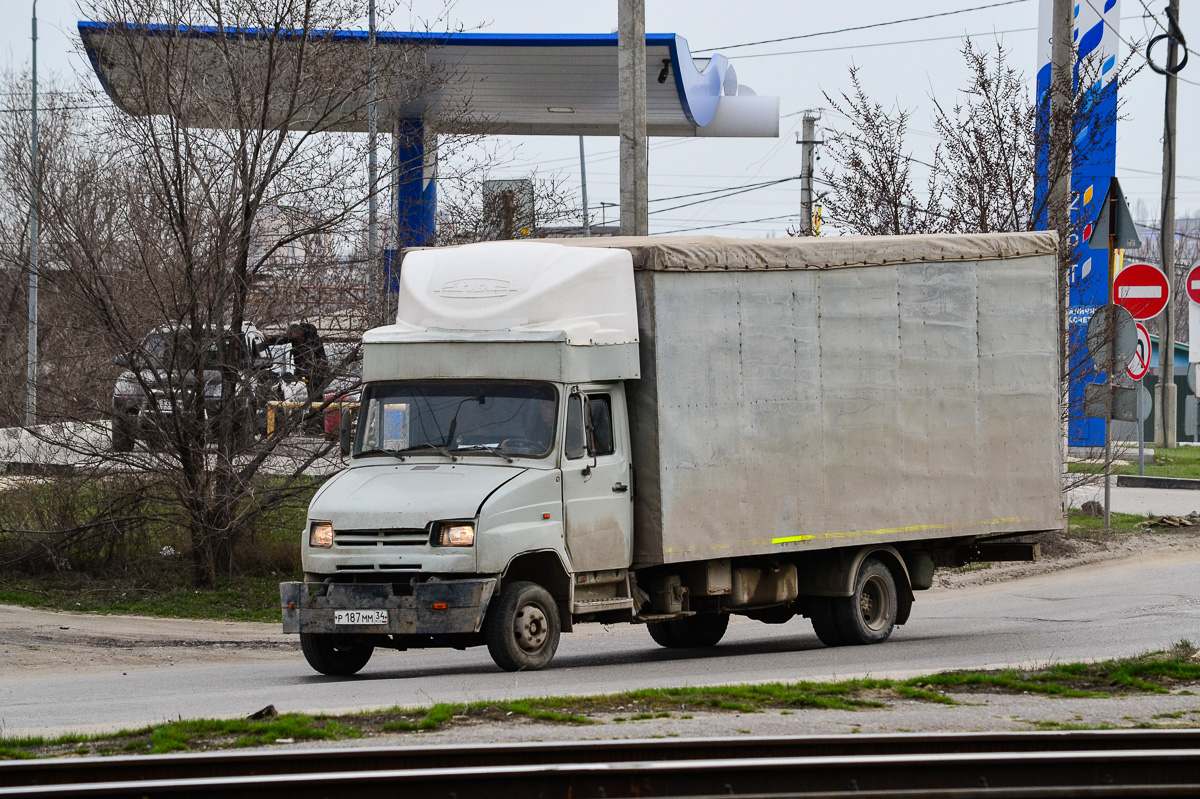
(125, 359)
(344, 431)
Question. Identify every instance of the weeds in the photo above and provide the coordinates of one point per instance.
(1155, 672)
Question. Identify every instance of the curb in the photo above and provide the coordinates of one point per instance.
(1137, 481)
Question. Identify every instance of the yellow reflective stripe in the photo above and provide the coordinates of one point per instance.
(915, 528)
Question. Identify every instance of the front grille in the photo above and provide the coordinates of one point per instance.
(381, 538)
(374, 567)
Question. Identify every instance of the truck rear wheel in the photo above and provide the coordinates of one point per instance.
(335, 655)
(690, 632)
(522, 627)
(868, 616)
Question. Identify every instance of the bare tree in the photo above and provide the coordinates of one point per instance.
(870, 184)
(155, 213)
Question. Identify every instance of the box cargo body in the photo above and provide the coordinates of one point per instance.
(789, 401)
(671, 431)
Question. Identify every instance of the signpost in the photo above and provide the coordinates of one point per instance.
(1138, 366)
(1140, 293)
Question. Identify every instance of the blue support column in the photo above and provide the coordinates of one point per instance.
(1093, 162)
(416, 193)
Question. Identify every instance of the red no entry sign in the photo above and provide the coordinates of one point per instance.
(1193, 284)
(1142, 290)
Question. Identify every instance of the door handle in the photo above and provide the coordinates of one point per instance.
(620, 488)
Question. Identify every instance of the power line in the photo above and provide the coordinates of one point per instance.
(860, 27)
(723, 196)
(725, 224)
(740, 189)
(1132, 47)
(886, 44)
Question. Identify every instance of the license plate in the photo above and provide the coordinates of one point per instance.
(164, 406)
(360, 617)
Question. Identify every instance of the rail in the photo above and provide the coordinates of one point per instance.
(1101, 764)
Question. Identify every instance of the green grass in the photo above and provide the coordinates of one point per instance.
(244, 598)
(1178, 462)
(1154, 673)
(1080, 523)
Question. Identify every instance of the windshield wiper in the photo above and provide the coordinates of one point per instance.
(484, 448)
(394, 453)
(434, 447)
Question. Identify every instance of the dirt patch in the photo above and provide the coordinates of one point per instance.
(1067, 550)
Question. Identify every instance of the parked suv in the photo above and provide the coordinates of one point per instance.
(160, 378)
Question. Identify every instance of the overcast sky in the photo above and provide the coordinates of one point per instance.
(906, 64)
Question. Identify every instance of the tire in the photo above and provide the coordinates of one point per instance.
(334, 655)
(663, 634)
(122, 435)
(820, 612)
(780, 614)
(690, 632)
(869, 615)
(522, 627)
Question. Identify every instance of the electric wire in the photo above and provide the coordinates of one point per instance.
(860, 27)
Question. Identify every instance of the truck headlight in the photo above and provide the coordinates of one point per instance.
(321, 535)
(456, 535)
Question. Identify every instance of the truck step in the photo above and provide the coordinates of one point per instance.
(600, 605)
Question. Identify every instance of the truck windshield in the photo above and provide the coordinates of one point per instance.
(511, 419)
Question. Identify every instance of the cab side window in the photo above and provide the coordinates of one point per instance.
(602, 426)
(576, 441)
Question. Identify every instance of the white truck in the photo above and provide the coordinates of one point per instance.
(668, 431)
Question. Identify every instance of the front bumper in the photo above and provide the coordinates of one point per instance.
(433, 608)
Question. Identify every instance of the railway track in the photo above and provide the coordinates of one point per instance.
(1075, 764)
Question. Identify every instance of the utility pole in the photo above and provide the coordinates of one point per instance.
(808, 140)
(587, 225)
(631, 76)
(1164, 428)
(374, 265)
(1058, 198)
(31, 347)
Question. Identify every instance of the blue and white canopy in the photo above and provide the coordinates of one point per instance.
(541, 84)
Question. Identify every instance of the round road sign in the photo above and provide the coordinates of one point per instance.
(1111, 337)
(1142, 290)
(1193, 283)
(1139, 364)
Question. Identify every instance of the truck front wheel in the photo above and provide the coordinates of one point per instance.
(522, 627)
(335, 655)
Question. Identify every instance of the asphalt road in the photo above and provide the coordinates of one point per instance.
(1155, 501)
(1111, 609)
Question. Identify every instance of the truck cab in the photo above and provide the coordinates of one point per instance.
(488, 497)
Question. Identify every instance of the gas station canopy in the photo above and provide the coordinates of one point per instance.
(535, 84)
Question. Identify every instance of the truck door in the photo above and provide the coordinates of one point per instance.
(597, 490)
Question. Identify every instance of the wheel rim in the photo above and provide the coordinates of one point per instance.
(873, 604)
(531, 628)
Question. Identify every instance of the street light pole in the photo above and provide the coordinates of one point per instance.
(31, 347)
